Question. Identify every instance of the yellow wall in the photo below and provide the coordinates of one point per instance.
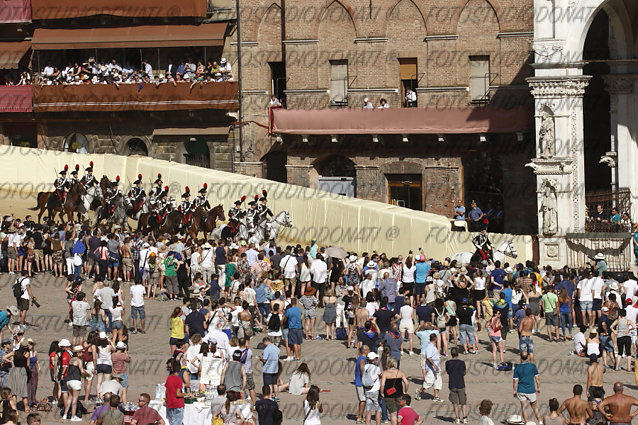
(354, 224)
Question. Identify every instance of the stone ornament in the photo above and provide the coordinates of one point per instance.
(549, 207)
(547, 136)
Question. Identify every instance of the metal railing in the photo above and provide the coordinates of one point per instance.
(603, 219)
(198, 160)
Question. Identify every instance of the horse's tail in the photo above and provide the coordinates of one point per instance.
(37, 207)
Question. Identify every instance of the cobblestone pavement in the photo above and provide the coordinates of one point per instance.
(330, 362)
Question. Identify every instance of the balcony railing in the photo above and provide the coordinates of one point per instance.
(134, 97)
(603, 219)
(66, 9)
(16, 99)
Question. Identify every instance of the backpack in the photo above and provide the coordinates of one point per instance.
(353, 276)
(152, 262)
(17, 288)
(613, 313)
(274, 323)
(369, 376)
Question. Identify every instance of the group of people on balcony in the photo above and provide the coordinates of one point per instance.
(477, 219)
(94, 72)
(603, 221)
(14, 77)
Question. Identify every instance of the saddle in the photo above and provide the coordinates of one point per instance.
(233, 225)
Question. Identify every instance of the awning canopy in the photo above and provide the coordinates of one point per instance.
(15, 11)
(402, 121)
(65, 9)
(16, 99)
(12, 53)
(173, 131)
(130, 37)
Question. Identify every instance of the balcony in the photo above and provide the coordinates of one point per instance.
(605, 211)
(134, 97)
(16, 99)
(66, 9)
(15, 11)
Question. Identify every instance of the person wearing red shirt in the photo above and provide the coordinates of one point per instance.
(174, 394)
(406, 414)
(146, 415)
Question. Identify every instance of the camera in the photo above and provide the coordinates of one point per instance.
(35, 303)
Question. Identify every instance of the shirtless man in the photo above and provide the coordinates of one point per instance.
(360, 319)
(579, 410)
(525, 327)
(618, 406)
(595, 373)
(245, 319)
(277, 300)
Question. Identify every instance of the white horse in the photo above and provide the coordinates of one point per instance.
(92, 193)
(505, 249)
(280, 220)
(223, 232)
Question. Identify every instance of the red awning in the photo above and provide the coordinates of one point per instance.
(16, 99)
(402, 121)
(15, 11)
(65, 9)
(128, 37)
(12, 53)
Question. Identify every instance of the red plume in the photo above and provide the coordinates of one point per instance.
(205, 185)
(264, 193)
(66, 167)
(187, 189)
(91, 163)
(139, 176)
(256, 197)
(77, 167)
(165, 188)
(117, 178)
(243, 198)
(159, 176)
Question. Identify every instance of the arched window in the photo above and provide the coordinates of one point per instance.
(76, 143)
(136, 146)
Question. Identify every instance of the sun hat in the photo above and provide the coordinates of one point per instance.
(78, 348)
(120, 345)
(599, 256)
(310, 291)
(207, 246)
(353, 258)
(372, 355)
(350, 288)
(613, 286)
(515, 420)
(64, 343)
(13, 310)
(371, 264)
(102, 335)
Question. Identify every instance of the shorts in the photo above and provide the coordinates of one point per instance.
(37, 254)
(432, 379)
(284, 334)
(531, 397)
(419, 288)
(79, 331)
(409, 327)
(458, 396)
(597, 305)
(310, 314)
(392, 404)
(63, 386)
(496, 339)
(408, 289)
(270, 379)
(361, 395)
(90, 369)
(372, 401)
(605, 343)
(74, 385)
(23, 304)
(174, 341)
(295, 336)
(250, 381)
(92, 260)
(127, 262)
(12, 254)
(479, 294)
(104, 368)
(290, 282)
(117, 325)
(138, 312)
(124, 380)
(551, 319)
(525, 343)
(586, 305)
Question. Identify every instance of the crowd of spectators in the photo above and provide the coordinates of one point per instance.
(94, 72)
(14, 77)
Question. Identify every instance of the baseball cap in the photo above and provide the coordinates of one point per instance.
(372, 356)
(350, 288)
(120, 345)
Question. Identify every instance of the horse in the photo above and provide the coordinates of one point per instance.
(504, 249)
(118, 216)
(205, 221)
(74, 202)
(224, 232)
(93, 196)
(275, 225)
(42, 202)
(171, 224)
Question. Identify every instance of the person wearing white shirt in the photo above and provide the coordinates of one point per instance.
(207, 262)
(196, 258)
(597, 287)
(138, 291)
(372, 392)
(319, 272)
(249, 295)
(288, 266)
(252, 255)
(367, 285)
(407, 323)
(630, 287)
(586, 298)
(222, 339)
(48, 71)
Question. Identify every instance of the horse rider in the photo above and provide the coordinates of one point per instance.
(186, 207)
(61, 184)
(200, 200)
(74, 175)
(136, 194)
(156, 191)
(262, 209)
(483, 245)
(235, 215)
(112, 192)
(160, 206)
(88, 180)
(251, 215)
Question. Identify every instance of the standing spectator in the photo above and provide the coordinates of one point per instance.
(104, 364)
(174, 394)
(295, 334)
(527, 385)
(309, 302)
(371, 384)
(431, 371)
(220, 261)
(586, 299)
(394, 384)
(144, 413)
(234, 375)
(81, 313)
(623, 328)
(406, 414)
(270, 360)
(495, 332)
(34, 372)
(359, 366)
(138, 293)
(456, 370)
(466, 329)
(120, 360)
(459, 210)
(26, 295)
(170, 275)
(312, 407)
(319, 272)
(565, 310)
(265, 407)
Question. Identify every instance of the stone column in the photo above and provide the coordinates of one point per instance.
(559, 164)
(368, 183)
(299, 174)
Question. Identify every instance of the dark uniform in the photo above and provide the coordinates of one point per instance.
(483, 245)
(263, 212)
(160, 205)
(156, 191)
(74, 175)
(137, 194)
(113, 193)
(61, 184)
(251, 215)
(200, 200)
(235, 215)
(186, 207)
(87, 179)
